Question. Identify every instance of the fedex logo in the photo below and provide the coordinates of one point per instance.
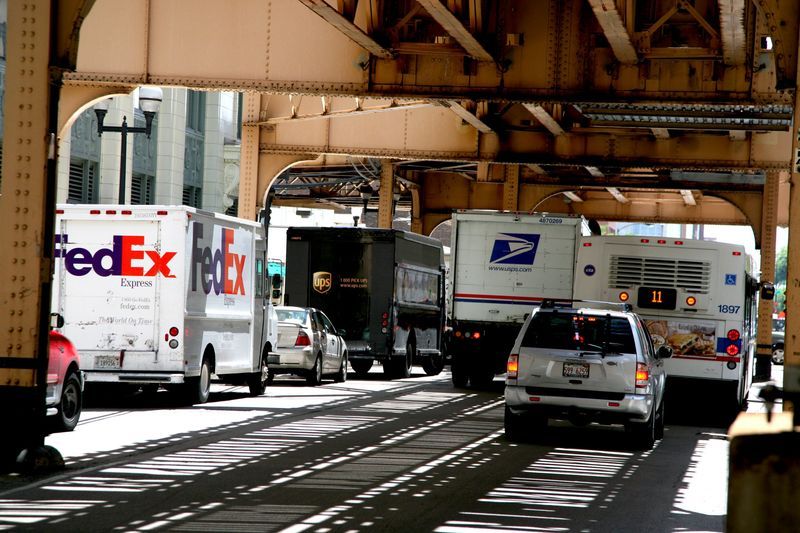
(220, 270)
(126, 257)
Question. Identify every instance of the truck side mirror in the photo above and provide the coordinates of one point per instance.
(664, 352)
(767, 291)
(277, 280)
(56, 320)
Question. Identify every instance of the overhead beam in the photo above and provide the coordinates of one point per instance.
(572, 196)
(688, 197)
(341, 23)
(618, 196)
(660, 133)
(467, 116)
(733, 35)
(614, 30)
(595, 172)
(455, 29)
(544, 118)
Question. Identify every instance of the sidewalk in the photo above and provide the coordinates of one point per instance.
(756, 404)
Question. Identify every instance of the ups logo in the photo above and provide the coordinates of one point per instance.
(322, 282)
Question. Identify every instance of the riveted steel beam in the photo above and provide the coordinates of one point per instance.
(348, 28)
(733, 35)
(544, 118)
(455, 29)
(614, 29)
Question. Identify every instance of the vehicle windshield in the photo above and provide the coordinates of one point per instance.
(567, 331)
(292, 315)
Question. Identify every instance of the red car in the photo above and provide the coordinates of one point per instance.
(64, 384)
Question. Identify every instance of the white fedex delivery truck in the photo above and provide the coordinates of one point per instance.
(164, 295)
(502, 265)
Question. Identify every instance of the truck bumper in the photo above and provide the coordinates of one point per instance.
(133, 377)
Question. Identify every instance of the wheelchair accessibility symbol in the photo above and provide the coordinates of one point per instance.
(730, 279)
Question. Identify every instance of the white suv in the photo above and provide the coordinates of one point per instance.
(586, 364)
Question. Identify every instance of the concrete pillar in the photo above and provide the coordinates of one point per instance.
(769, 219)
(213, 154)
(416, 211)
(110, 153)
(386, 195)
(171, 144)
(791, 368)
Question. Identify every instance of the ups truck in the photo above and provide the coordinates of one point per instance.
(384, 289)
(502, 264)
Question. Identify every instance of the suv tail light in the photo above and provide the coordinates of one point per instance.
(642, 375)
(302, 339)
(512, 367)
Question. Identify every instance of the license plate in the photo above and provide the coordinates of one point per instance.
(106, 361)
(576, 370)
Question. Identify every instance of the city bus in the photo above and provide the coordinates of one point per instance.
(698, 297)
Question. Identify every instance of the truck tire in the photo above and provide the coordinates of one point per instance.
(70, 404)
(257, 382)
(399, 368)
(314, 376)
(433, 364)
(459, 374)
(361, 366)
(341, 376)
(197, 389)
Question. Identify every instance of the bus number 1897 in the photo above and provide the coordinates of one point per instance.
(729, 308)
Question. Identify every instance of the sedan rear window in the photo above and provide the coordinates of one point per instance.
(579, 332)
(292, 315)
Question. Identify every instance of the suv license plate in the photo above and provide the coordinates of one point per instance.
(576, 370)
(106, 361)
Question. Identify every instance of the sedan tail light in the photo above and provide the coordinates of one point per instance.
(512, 367)
(302, 339)
(642, 375)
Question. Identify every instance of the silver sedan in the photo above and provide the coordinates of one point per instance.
(308, 345)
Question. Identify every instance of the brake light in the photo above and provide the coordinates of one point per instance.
(642, 375)
(661, 241)
(476, 335)
(733, 335)
(173, 331)
(679, 243)
(587, 244)
(512, 367)
(732, 349)
(644, 241)
(302, 339)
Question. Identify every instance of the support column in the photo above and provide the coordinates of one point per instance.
(769, 219)
(386, 194)
(791, 368)
(416, 211)
(511, 188)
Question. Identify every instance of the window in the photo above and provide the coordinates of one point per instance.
(566, 331)
(195, 110)
(192, 196)
(259, 278)
(233, 210)
(142, 189)
(82, 182)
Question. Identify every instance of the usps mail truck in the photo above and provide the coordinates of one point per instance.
(502, 264)
(164, 295)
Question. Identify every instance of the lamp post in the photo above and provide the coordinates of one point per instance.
(365, 190)
(149, 102)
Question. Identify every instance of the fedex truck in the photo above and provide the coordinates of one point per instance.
(503, 264)
(164, 295)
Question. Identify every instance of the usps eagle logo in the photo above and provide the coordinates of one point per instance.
(514, 249)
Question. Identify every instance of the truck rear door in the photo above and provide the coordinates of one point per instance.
(109, 274)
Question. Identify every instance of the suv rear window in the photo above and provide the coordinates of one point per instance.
(568, 331)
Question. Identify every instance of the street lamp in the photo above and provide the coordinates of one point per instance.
(365, 190)
(149, 102)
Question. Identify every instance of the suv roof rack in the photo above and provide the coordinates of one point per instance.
(549, 303)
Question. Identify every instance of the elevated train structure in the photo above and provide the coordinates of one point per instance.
(662, 110)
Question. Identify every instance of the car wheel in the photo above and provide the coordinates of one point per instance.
(341, 376)
(433, 365)
(777, 355)
(644, 434)
(198, 389)
(257, 382)
(361, 366)
(660, 421)
(314, 377)
(404, 365)
(69, 407)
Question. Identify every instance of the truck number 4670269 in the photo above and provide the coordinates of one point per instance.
(729, 308)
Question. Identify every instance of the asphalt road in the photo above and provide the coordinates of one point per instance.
(366, 455)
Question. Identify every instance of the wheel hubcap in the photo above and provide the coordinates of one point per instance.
(69, 402)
